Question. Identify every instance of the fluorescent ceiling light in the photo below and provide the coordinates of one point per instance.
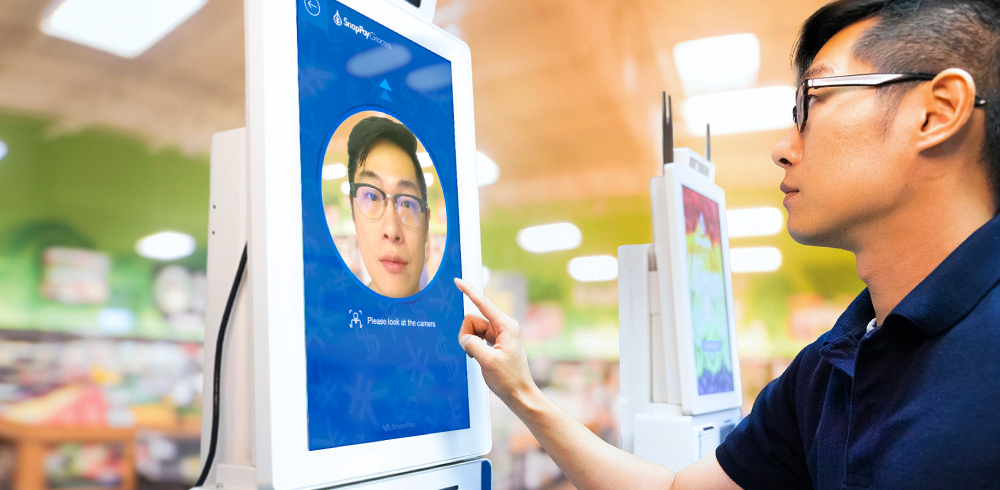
(346, 188)
(425, 159)
(116, 320)
(486, 275)
(428, 179)
(3, 150)
(166, 245)
(754, 222)
(334, 172)
(740, 111)
(754, 259)
(549, 238)
(126, 28)
(717, 64)
(593, 268)
(489, 172)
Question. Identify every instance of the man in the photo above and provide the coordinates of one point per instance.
(902, 171)
(383, 169)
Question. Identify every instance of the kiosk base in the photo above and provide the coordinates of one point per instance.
(672, 439)
(470, 475)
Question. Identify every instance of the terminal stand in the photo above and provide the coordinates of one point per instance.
(674, 297)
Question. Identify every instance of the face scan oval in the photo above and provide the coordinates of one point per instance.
(384, 204)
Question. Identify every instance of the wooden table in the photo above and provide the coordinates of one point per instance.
(31, 441)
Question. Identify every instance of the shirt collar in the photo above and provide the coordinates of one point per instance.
(957, 285)
(937, 304)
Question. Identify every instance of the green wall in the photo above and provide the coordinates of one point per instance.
(95, 190)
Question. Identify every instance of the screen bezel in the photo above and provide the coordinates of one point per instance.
(283, 458)
(675, 177)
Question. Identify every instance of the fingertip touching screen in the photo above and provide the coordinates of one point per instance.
(381, 237)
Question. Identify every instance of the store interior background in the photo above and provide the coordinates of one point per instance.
(99, 151)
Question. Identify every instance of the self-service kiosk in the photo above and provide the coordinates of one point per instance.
(680, 379)
(339, 363)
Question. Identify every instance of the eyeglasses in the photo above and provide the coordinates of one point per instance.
(801, 110)
(372, 202)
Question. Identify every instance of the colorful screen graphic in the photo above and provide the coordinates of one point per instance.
(380, 364)
(707, 280)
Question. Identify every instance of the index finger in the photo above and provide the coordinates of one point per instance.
(486, 307)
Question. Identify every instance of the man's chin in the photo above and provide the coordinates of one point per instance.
(815, 237)
(395, 292)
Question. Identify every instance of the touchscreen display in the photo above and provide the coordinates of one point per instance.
(707, 283)
(381, 237)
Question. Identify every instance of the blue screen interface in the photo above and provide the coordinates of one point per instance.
(380, 230)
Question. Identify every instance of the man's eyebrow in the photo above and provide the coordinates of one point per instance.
(408, 183)
(374, 176)
(371, 175)
(816, 71)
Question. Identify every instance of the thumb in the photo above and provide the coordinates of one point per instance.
(475, 347)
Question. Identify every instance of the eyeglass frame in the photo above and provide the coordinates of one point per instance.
(386, 197)
(862, 80)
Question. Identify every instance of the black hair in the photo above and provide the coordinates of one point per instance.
(926, 36)
(375, 129)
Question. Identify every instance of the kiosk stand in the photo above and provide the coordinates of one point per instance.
(680, 379)
(310, 396)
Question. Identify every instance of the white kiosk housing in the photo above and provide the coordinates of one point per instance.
(680, 379)
(298, 410)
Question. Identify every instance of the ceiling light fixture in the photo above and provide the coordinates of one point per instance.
(425, 159)
(428, 179)
(740, 111)
(754, 259)
(549, 238)
(754, 222)
(334, 171)
(593, 268)
(166, 245)
(3, 150)
(488, 170)
(717, 64)
(126, 28)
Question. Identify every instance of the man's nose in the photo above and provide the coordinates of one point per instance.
(788, 150)
(392, 227)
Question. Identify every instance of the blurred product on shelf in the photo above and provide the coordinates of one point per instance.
(51, 385)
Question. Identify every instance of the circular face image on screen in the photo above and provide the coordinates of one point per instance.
(384, 204)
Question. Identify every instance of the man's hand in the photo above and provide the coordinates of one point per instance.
(495, 341)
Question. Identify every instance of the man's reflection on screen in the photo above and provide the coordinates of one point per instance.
(388, 204)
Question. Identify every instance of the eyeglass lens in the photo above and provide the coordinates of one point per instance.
(372, 203)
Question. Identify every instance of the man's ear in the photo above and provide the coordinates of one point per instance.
(947, 103)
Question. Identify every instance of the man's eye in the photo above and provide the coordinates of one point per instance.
(810, 99)
(371, 196)
(407, 204)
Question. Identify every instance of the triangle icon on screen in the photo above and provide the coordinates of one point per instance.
(385, 85)
(385, 95)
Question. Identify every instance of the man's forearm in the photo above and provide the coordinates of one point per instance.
(588, 461)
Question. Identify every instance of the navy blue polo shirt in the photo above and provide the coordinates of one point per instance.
(915, 404)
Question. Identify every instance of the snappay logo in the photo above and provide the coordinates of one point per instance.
(361, 30)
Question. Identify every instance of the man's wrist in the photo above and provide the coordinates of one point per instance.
(528, 401)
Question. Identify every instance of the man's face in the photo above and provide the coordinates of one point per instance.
(849, 168)
(392, 252)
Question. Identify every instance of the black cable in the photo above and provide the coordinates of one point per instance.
(218, 368)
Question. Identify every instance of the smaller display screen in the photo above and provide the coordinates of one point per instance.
(707, 283)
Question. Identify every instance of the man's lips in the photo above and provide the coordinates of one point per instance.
(789, 191)
(393, 263)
